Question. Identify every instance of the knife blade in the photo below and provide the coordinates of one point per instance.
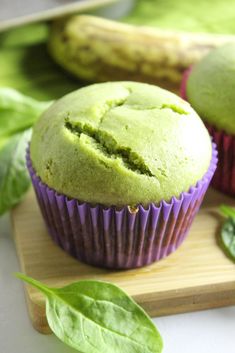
(17, 12)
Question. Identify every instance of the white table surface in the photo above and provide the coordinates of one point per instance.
(210, 331)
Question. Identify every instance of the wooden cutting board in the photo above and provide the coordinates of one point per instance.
(197, 276)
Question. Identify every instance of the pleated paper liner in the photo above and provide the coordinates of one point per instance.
(224, 177)
(117, 238)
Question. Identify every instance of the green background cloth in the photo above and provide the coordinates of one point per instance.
(213, 16)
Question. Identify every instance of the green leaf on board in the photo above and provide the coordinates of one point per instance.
(98, 317)
(228, 231)
(227, 211)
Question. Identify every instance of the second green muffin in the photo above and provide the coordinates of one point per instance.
(210, 87)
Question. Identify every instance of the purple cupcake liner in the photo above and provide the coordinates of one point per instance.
(117, 238)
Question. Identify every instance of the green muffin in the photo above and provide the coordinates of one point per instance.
(120, 143)
(120, 170)
(211, 88)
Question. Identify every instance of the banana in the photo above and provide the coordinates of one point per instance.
(97, 49)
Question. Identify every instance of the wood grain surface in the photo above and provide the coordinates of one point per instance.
(197, 276)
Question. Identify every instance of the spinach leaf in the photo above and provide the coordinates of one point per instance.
(17, 115)
(227, 211)
(31, 70)
(18, 112)
(228, 231)
(24, 35)
(14, 178)
(98, 317)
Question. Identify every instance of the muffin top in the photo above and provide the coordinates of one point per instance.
(211, 88)
(120, 143)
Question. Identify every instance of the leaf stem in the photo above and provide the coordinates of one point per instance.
(41, 287)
